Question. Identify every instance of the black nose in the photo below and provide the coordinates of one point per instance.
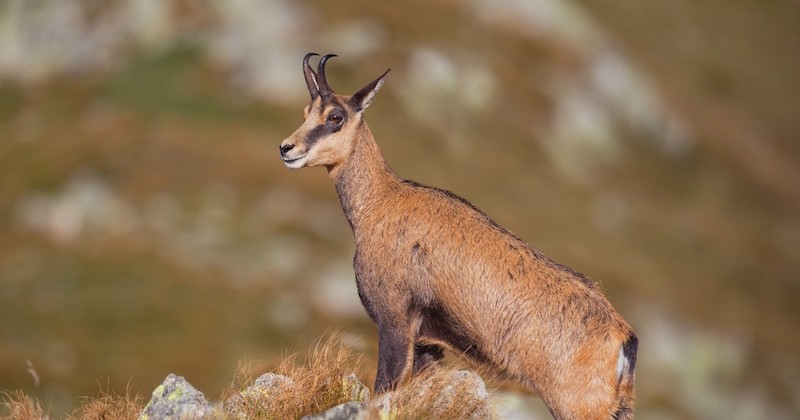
(285, 148)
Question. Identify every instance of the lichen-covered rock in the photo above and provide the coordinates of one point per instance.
(272, 381)
(347, 411)
(382, 403)
(176, 399)
(464, 387)
(358, 394)
(443, 394)
(459, 393)
(258, 394)
(357, 390)
(474, 385)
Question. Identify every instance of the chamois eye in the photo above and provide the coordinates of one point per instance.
(335, 118)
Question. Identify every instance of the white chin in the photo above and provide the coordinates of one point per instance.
(295, 164)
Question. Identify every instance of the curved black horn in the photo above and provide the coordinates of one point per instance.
(324, 89)
(311, 78)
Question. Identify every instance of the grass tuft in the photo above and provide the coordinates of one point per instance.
(245, 376)
(441, 393)
(314, 386)
(324, 378)
(17, 405)
(109, 405)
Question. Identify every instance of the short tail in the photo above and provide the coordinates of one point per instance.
(626, 366)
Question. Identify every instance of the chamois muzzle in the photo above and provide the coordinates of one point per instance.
(285, 149)
(291, 156)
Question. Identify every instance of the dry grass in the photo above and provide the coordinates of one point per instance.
(315, 385)
(326, 377)
(319, 384)
(106, 406)
(440, 393)
(17, 405)
(109, 406)
(246, 373)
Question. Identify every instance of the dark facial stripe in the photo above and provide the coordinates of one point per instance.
(316, 134)
(327, 128)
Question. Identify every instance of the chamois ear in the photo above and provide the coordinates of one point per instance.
(361, 99)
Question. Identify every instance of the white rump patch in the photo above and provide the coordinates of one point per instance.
(623, 364)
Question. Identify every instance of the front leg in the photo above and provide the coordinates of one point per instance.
(394, 343)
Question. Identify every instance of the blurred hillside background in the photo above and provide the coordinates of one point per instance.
(147, 225)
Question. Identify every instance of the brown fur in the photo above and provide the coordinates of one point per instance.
(433, 271)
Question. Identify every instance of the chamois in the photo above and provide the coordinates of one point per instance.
(434, 272)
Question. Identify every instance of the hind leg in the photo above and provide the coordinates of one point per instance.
(582, 412)
(426, 355)
(585, 393)
(580, 404)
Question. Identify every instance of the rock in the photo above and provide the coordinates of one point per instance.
(353, 410)
(456, 394)
(347, 411)
(383, 402)
(259, 393)
(358, 391)
(476, 388)
(463, 387)
(444, 393)
(176, 399)
(272, 381)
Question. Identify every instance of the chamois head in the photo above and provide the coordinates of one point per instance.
(331, 120)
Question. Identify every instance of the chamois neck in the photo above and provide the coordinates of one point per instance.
(363, 178)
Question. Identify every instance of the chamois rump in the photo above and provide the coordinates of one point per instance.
(434, 272)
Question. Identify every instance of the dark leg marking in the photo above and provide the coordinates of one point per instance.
(393, 347)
